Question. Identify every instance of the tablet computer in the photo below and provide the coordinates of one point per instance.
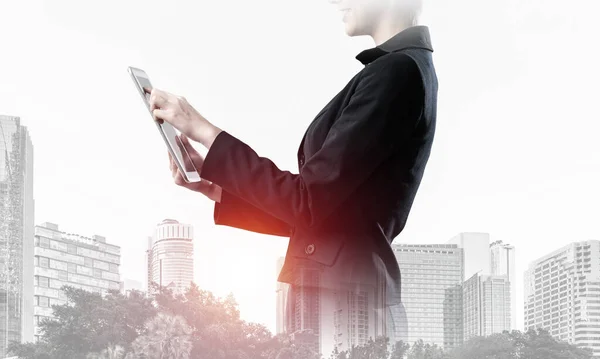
(169, 133)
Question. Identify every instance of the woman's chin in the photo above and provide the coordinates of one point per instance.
(350, 29)
(353, 30)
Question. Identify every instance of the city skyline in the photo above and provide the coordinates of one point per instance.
(473, 240)
(484, 263)
(92, 264)
(60, 243)
(495, 166)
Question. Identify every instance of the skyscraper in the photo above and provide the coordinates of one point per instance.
(66, 259)
(432, 277)
(281, 304)
(562, 294)
(16, 233)
(171, 256)
(357, 317)
(486, 305)
(503, 264)
(476, 248)
(324, 319)
(304, 311)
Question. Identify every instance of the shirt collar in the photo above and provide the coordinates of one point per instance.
(413, 37)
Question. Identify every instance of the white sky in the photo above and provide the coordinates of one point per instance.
(516, 151)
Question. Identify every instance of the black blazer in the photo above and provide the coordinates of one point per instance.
(360, 164)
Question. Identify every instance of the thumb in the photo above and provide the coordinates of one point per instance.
(186, 142)
(188, 147)
(184, 139)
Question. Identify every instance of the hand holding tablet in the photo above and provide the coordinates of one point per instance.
(170, 134)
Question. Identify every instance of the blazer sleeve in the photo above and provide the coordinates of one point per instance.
(378, 118)
(233, 211)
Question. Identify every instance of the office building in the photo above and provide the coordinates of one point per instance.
(355, 318)
(304, 312)
(562, 294)
(432, 277)
(502, 262)
(476, 248)
(486, 305)
(16, 233)
(322, 319)
(171, 256)
(281, 301)
(66, 259)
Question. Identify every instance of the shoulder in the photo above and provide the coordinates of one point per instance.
(391, 64)
(391, 71)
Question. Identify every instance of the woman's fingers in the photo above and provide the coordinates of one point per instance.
(205, 187)
(194, 156)
(184, 139)
(160, 115)
(158, 99)
(187, 145)
(173, 166)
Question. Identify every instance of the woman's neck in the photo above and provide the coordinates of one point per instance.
(387, 29)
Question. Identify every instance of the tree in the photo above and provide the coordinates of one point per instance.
(296, 352)
(496, 346)
(166, 337)
(379, 348)
(372, 349)
(30, 350)
(399, 350)
(112, 352)
(539, 344)
(89, 323)
(94, 326)
(533, 344)
(421, 350)
(218, 332)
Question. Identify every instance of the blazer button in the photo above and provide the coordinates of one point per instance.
(310, 249)
(301, 160)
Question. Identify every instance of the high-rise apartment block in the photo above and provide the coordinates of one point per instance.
(66, 259)
(171, 256)
(16, 233)
(562, 294)
(305, 319)
(357, 317)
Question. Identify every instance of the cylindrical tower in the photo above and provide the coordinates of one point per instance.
(173, 255)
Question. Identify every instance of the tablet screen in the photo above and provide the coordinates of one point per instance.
(170, 133)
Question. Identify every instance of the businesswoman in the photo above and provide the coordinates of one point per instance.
(360, 164)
